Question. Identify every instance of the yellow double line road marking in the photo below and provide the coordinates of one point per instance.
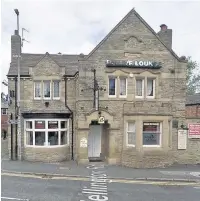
(125, 181)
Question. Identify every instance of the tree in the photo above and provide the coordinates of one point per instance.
(193, 78)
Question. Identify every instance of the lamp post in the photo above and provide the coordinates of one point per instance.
(18, 149)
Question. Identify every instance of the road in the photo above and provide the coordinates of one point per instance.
(77, 189)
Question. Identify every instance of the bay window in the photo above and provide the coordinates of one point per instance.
(46, 132)
(152, 133)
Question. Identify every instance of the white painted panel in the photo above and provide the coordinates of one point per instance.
(94, 141)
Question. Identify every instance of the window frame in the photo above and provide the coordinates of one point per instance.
(161, 133)
(122, 96)
(127, 131)
(143, 87)
(53, 82)
(115, 78)
(45, 81)
(2, 109)
(38, 98)
(154, 87)
(46, 130)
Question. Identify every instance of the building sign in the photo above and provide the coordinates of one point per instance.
(182, 139)
(101, 120)
(194, 130)
(83, 142)
(133, 64)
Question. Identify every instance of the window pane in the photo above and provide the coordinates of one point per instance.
(52, 124)
(63, 124)
(151, 138)
(40, 138)
(4, 111)
(122, 86)
(151, 133)
(150, 87)
(131, 127)
(47, 91)
(56, 89)
(63, 137)
(37, 89)
(29, 124)
(139, 87)
(131, 138)
(39, 124)
(111, 86)
(29, 138)
(53, 138)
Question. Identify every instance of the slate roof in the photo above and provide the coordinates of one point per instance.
(69, 62)
(193, 99)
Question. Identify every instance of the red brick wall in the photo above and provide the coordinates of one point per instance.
(193, 111)
(4, 125)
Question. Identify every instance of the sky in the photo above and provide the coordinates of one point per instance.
(74, 27)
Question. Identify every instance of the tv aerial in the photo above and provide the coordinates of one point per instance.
(23, 39)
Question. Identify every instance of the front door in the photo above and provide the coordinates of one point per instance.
(94, 141)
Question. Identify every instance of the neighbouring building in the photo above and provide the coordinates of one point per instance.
(123, 103)
(4, 114)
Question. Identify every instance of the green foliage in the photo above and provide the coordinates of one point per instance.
(193, 77)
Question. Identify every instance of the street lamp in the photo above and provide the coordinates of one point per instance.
(18, 149)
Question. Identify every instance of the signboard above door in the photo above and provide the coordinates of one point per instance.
(133, 64)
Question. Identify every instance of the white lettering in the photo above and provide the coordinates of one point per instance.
(129, 62)
(141, 63)
(146, 63)
(98, 193)
(136, 63)
(150, 63)
(97, 198)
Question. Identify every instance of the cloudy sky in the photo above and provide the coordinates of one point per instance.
(72, 26)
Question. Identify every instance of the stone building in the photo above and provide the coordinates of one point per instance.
(4, 114)
(123, 103)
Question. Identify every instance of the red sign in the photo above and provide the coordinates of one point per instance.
(194, 130)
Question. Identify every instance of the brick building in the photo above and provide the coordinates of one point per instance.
(123, 103)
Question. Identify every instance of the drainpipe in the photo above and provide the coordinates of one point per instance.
(72, 118)
(16, 145)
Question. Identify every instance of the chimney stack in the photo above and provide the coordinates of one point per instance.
(15, 45)
(165, 35)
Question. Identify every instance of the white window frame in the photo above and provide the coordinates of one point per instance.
(38, 98)
(4, 109)
(122, 96)
(161, 133)
(130, 145)
(47, 98)
(143, 80)
(53, 82)
(154, 87)
(112, 96)
(46, 130)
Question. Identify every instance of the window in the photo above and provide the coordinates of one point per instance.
(151, 134)
(47, 89)
(4, 111)
(46, 132)
(112, 87)
(56, 90)
(130, 134)
(123, 87)
(37, 90)
(150, 88)
(139, 88)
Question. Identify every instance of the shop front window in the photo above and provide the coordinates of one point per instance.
(152, 134)
(48, 132)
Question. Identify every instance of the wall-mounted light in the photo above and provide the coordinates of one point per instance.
(46, 104)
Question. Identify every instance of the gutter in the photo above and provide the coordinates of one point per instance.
(72, 118)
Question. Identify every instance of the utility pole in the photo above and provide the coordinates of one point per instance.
(18, 93)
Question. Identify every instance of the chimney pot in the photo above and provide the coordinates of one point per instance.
(163, 27)
(16, 32)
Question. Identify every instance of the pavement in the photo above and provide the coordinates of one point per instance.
(188, 173)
